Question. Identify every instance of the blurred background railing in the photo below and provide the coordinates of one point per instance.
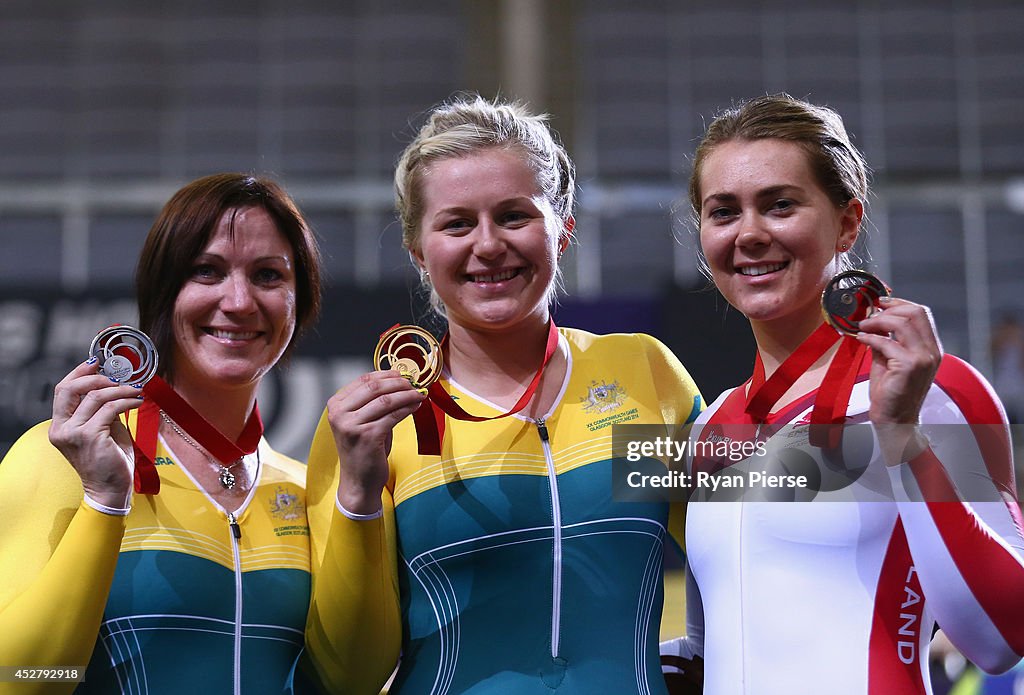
(107, 106)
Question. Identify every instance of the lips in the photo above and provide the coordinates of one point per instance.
(227, 334)
(761, 269)
(499, 276)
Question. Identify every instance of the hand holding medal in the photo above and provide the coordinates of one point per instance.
(87, 408)
(418, 356)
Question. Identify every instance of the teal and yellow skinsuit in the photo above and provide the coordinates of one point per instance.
(193, 606)
(504, 565)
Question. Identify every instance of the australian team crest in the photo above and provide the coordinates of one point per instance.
(285, 505)
(603, 397)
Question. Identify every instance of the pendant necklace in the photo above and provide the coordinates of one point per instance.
(225, 476)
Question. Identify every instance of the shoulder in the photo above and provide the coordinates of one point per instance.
(715, 408)
(282, 465)
(637, 345)
(35, 474)
(33, 449)
(966, 388)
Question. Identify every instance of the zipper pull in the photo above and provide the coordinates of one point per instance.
(236, 530)
(542, 429)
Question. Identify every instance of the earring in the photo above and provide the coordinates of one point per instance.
(844, 247)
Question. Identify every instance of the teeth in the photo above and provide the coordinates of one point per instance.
(233, 335)
(507, 275)
(756, 270)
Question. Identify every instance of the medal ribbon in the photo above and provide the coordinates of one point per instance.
(160, 396)
(763, 395)
(430, 421)
(834, 393)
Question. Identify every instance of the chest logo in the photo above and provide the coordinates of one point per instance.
(602, 397)
(285, 505)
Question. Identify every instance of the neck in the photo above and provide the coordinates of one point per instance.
(777, 340)
(477, 359)
(226, 409)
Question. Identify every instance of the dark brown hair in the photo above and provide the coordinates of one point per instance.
(183, 229)
(838, 165)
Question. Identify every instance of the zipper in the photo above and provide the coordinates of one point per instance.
(556, 525)
(236, 536)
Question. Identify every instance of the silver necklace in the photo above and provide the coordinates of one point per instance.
(226, 477)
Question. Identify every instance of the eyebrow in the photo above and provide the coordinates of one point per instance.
(207, 255)
(762, 193)
(504, 203)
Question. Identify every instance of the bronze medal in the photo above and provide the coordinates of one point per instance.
(851, 297)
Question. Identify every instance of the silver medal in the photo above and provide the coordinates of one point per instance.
(125, 354)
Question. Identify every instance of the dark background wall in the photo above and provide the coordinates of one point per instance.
(107, 106)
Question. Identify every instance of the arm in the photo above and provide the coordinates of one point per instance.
(58, 553)
(57, 557)
(680, 398)
(682, 658)
(958, 505)
(353, 631)
(947, 447)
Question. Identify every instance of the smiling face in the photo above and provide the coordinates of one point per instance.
(489, 240)
(769, 231)
(235, 314)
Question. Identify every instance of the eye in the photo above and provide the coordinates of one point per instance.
(783, 205)
(515, 217)
(458, 224)
(720, 214)
(204, 272)
(268, 276)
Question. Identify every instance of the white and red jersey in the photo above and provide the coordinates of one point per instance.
(843, 597)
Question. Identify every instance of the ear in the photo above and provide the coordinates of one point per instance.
(566, 236)
(417, 257)
(850, 220)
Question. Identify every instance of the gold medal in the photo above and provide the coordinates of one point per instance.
(411, 351)
(851, 297)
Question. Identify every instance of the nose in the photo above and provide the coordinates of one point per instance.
(752, 232)
(489, 241)
(238, 295)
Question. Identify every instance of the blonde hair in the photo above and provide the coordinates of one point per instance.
(469, 124)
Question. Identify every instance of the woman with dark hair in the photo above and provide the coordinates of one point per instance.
(201, 579)
(915, 521)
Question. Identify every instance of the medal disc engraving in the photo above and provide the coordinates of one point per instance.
(851, 297)
(411, 351)
(125, 354)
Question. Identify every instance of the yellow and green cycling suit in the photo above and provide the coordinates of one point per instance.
(191, 607)
(504, 565)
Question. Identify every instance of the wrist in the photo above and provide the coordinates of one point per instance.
(356, 501)
(109, 505)
(118, 500)
(900, 443)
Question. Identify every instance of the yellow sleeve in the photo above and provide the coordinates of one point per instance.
(353, 632)
(57, 560)
(681, 404)
(680, 398)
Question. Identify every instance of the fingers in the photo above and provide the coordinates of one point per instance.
(84, 379)
(903, 330)
(374, 397)
(86, 404)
